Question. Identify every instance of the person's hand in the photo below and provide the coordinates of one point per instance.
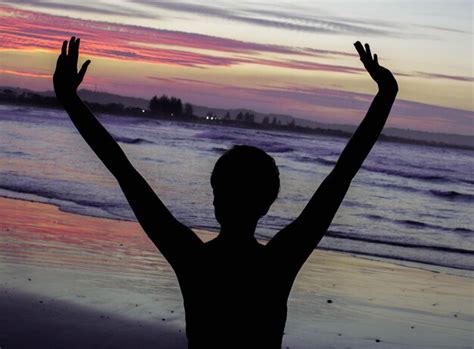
(66, 78)
(382, 76)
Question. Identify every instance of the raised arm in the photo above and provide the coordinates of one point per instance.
(299, 238)
(172, 238)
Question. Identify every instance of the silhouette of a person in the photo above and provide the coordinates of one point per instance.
(235, 290)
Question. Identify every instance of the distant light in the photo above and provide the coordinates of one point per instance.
(207, 117)
(143, 110)
(171, 114)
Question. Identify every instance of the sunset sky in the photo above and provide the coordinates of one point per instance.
(287, 57)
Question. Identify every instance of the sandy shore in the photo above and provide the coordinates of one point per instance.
(70, 281)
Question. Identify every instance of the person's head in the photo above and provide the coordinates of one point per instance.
(245, 182)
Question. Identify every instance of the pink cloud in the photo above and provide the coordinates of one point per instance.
(25, 30)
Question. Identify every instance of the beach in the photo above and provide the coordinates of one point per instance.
(77, 271)
(69, 280)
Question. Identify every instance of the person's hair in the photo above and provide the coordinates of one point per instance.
(247, 175)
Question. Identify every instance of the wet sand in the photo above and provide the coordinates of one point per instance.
(81, 282)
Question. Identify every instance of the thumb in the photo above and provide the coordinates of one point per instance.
(83, 70)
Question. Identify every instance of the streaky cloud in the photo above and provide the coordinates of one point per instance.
(22, 29)
(444, 76)
(87, 6)
(273, 19)
(329, 24)
(452, 30)
(318, 52)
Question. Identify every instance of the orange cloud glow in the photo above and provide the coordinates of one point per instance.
(27, 74)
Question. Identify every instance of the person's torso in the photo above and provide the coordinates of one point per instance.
(234, 298)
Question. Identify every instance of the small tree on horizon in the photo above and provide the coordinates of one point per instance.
(188, 110)
(249, 117)
(166, 106)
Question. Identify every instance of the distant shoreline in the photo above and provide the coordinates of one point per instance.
(102, 110)
(208, 234)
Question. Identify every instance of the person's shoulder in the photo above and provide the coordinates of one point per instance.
(211, 243)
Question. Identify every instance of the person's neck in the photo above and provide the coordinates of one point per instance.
(242, 233)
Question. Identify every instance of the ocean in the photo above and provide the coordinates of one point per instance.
(408, 203)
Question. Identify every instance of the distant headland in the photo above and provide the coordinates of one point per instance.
(173, 109)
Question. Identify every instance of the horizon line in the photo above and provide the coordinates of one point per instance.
(258, 112)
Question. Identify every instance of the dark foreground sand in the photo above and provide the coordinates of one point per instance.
(30, 321)
(69, 281)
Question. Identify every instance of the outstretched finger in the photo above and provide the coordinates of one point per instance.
(75, 52)
(360, 50)
(376, 59)
(59, 62)
(83, 70)
(367, 50)
(71, 46)
(64, 48)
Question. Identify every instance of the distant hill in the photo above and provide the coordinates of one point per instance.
(447, 138)
(106, 98)
(220, 112)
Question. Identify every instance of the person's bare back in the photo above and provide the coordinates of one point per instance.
(235, 290)
(233, 297)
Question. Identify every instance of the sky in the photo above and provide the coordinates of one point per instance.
(284, 57)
